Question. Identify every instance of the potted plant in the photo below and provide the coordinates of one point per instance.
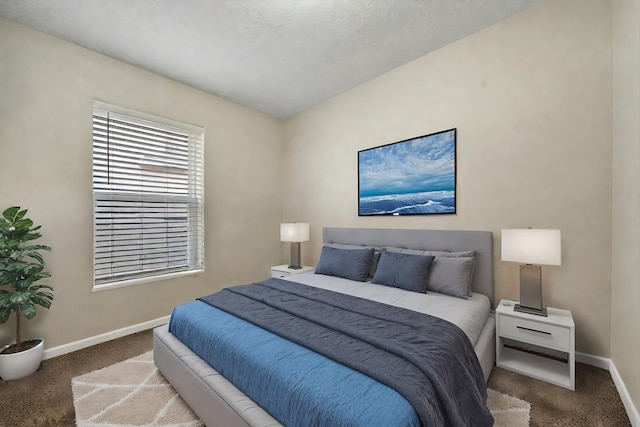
(21, 267)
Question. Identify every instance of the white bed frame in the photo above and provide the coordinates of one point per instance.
(219, 403)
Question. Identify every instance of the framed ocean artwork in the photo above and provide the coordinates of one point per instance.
(416, 176)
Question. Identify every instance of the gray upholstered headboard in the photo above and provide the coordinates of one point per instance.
(481, 242)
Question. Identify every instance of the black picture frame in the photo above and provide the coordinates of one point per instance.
(416, 176)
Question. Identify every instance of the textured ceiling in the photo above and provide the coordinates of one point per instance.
(276, 56)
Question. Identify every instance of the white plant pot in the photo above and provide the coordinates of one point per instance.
(19, 365)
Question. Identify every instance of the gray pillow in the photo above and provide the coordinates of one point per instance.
(350, 264)
(451, 276)
(447, 254)
(448, 276)
(374, 261)
(406, 271)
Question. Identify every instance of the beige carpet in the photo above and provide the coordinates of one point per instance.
(134, 393)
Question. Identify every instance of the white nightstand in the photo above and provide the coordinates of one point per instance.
(284, 270)
(555, 332)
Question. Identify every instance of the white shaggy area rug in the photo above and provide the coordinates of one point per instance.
(129, 393)
(508, 411)
(133, 393)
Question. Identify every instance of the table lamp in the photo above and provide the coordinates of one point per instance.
(533, 248)
(295, 233)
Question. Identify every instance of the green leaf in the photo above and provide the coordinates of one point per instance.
(28, 310)
(47, 295)
(41, 301)
(5, 312)
(36, 256)
(44, 294)
(19, 297)
(23, 224)
(11, 213)
(36, 248)
(36, 287)
(40, 292)
(31, 236)
(25, 284)
(21, 214)
(31, 250)
(23, 267)
(4, 299)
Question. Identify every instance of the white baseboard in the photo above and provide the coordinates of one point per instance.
(604, 363)
(632, 411)
(108, 336)
(597, 361)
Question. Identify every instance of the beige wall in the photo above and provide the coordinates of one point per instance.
(625, 287)
(46, 91)
(531, 98)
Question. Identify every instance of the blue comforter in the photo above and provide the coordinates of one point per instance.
(422, 377)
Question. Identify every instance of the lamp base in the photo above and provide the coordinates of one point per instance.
(529, 310)
(531, 291)
(295, 256)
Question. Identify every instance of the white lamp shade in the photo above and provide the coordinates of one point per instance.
(294, 232)
(531, 246)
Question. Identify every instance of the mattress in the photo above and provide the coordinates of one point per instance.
(469, 315)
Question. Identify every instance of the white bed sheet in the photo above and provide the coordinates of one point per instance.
(469, 315)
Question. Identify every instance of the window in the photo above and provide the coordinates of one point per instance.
(147, 197)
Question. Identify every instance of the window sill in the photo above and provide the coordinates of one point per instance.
(133, 282)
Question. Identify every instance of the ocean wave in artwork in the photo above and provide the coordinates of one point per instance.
(431, 202)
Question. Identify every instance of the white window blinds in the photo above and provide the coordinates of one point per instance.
(147, 196)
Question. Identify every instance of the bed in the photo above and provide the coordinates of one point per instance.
(218, 402)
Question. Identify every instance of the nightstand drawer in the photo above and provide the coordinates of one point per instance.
(278, 273)
(543, 334)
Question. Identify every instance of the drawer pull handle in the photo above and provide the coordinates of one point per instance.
(533, 330)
